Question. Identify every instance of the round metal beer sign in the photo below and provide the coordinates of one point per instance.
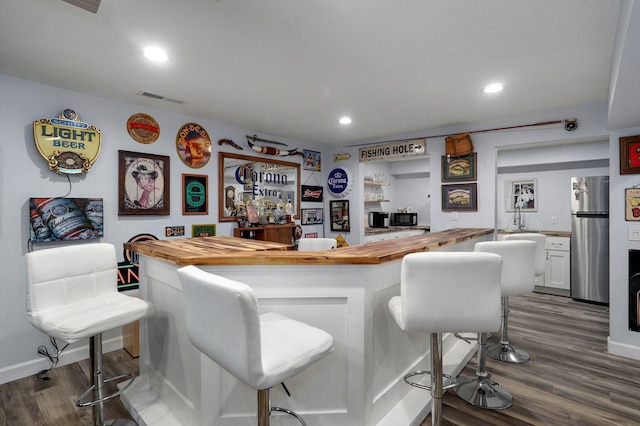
(143, 128)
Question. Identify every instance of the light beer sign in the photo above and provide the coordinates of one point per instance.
(67, 144)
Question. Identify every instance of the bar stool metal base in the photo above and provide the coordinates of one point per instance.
(483, 392)
(96, 390)
(507, 353)
(265, 409)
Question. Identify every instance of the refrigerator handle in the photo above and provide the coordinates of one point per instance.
(592, 214)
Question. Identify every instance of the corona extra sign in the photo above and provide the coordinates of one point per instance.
(66, 143)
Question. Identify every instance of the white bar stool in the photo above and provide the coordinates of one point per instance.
(517, 273)
(503, 351)
(259, 350)
(446, 292)
(316, 244)
(72, 294)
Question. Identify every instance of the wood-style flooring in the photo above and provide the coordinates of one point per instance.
(33, 402)
(570, 380)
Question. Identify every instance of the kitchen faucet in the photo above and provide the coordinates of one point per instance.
(518, 219)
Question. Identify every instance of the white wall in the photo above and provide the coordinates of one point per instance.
(622, 341)
(409, 186)
(24, 174)
(553, 198)
(540, 146)
(592, 126)
(552, 167)
(414, 194)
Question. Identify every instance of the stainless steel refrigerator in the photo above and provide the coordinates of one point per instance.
(590, 238)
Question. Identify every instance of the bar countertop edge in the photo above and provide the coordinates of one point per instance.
(221, 251)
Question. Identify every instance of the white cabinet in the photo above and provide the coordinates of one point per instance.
(393, 235)
(557, 273)
(558, 268)
(411, 233)
(374, 238)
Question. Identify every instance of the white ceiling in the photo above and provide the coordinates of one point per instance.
(291, 68)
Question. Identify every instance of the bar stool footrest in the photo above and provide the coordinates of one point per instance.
(289, 412)
(127, 376)
(120, 422)
(452, 380)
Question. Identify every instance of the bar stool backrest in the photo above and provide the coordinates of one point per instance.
(541, 242)
(315, 244)
(223, 322)
(64, 275)
(517, 264)
(450, 291)
(67, 275)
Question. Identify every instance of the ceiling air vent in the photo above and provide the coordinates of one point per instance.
(88, 5)
(161, 98)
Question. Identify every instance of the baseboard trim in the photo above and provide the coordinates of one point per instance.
(69, 356)
(623, 349)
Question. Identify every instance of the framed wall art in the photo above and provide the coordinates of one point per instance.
(340, 215)
(311, 160)
(460, 197)
(312, 193)
(143, 184)
(459, 168)
(54, 219)
(264, 181)
(174, 231)
(630, 155)
(195, 199)
(312, 217)
(632, 204)
(521, 194)
(204, 230)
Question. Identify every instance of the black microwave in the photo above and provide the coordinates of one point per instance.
(403, 219)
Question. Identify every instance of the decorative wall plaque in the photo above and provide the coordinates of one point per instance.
(193, 145)
(69, 145)
(340, 181)
(143, 128)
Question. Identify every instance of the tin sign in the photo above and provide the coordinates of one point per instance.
(143, 128)
(69, 145)
(340, 181)
(405, 148)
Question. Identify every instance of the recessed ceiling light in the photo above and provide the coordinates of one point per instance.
(494, 88)
(155, 54)
(345, 120)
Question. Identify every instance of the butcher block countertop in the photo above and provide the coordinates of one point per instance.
(239, 251)
(391, 229)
